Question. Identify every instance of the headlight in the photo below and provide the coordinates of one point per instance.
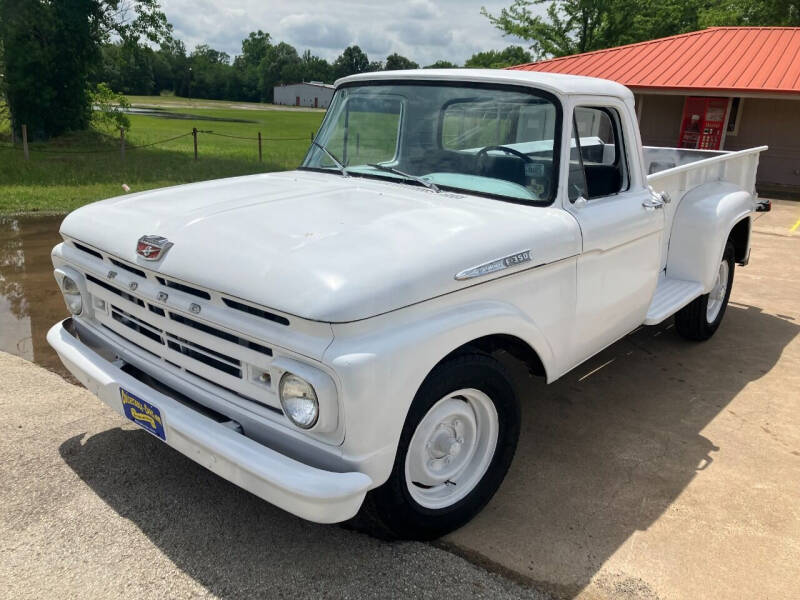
(299, 401)
(72, 295)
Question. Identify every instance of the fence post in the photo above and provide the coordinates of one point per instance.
(312, 136)
(194, 135)
(122, 142)
(25, 142)
(259, 147)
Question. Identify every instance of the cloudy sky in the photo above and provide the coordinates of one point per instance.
(422, 30)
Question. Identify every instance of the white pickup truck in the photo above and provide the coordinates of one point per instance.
(338, 332)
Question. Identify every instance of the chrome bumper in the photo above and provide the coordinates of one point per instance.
(308, 492)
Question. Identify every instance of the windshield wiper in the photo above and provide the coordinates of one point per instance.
(428, 184)
(336, 161)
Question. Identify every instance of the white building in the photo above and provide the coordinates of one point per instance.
(311, 93)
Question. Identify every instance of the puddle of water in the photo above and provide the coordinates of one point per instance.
(30, 301)
(162, 113)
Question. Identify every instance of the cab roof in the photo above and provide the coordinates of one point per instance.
(556, 83)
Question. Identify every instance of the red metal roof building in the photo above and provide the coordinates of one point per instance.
(753, 73)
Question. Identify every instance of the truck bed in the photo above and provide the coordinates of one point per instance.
(658, 158)
(677, 170)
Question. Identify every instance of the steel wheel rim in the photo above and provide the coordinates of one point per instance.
(451, 449)
(716, 297)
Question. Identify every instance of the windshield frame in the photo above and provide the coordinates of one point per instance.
(558, 132)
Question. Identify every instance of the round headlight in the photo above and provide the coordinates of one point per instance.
(72, 295)
(299, 401)
(69, 286)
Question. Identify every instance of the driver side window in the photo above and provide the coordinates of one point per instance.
(598, 153)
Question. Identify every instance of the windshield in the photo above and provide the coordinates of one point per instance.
(495, 141)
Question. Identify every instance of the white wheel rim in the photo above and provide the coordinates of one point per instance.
(716, 296)
(451, 448)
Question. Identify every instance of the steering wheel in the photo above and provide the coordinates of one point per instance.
(542, 184)
(507, 150)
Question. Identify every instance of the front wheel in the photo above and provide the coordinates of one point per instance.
(457, 443)
(700, 319)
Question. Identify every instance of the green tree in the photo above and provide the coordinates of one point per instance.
(173, 53)
(670, 17)
(441, 64)
(281, 65)
(52, 48)
(210, 72)
(352, 60)
(395, 62)
(316, 68)
(497, 59)
(568, 27)
(575, 26)
(162, 72)
(779, 13)
(48, 49)
(110, 109)
(254, 49)
(4, 116)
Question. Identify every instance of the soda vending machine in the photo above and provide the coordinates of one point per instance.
(703, 123)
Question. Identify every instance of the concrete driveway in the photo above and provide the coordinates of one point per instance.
(659, 469)
(663, 468)
(93, 507)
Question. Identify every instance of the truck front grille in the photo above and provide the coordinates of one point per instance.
(227, 359)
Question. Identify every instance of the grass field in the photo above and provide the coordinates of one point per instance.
(168, 101)
(75, 169)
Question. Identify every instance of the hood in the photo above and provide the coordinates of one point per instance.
(321, 246)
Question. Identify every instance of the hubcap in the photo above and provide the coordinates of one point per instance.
(451, 448)
(716, 296)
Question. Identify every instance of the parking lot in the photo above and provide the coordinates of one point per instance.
(658, 469)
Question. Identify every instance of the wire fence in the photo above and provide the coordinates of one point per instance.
(124, 145)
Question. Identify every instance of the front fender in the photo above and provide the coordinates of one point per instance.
(381, 365)
(704, 219)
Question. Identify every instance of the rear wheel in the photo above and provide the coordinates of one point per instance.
(457, 443)
(700, 319)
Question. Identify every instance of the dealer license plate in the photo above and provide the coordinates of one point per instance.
(145, 415)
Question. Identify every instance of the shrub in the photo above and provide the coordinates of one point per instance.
(108, 108)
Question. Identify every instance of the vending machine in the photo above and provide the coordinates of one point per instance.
(703, 123)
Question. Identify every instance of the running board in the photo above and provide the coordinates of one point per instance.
(671, 296)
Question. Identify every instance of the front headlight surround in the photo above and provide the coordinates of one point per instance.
(69, 282)
(324, 388)
(298, 400)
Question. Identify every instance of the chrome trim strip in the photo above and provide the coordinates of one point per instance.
(495, 265)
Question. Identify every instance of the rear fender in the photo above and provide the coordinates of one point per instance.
(704, 220)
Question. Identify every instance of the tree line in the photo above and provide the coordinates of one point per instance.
(131, 67)
(576, 26)
(57, 56)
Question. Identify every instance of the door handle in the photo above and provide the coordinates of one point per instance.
(653, 204)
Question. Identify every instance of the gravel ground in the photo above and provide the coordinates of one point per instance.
(91, 507)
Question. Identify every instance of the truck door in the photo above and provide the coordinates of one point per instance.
(622, 229)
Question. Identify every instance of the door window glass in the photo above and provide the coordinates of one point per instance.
(577, 181)
(602, 151)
